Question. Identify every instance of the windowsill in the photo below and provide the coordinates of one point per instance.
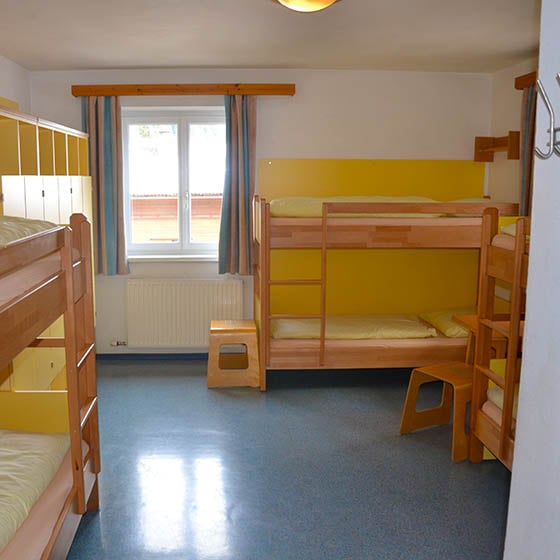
(173, 258)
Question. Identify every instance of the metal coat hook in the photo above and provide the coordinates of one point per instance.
(550, 144)
(556, 142)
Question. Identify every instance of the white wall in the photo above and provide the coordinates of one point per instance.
(14, 83)
(334, 114)
(504, 176)
(534, 511)
(346, 114)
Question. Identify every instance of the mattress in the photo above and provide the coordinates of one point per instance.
(354, 327)
(495, 395)
(28, 462)
(312, 207)
(13, 228)
(506, 237)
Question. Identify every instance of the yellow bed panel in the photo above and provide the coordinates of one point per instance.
(438, 179)
(377, 281)
(35, 411)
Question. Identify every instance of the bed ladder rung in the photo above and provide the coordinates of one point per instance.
(84, 355)
(501, 327)
(87, 410)
(492, 375)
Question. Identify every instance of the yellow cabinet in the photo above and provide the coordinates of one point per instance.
(33, 146)
(43, 169)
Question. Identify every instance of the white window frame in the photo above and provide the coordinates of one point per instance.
(183, 116)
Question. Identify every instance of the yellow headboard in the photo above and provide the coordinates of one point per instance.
(380, 280)
(440, 180)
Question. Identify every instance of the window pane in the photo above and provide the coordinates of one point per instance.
(153, 183)
(207, 153)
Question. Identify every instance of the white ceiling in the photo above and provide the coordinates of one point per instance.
(425, 35)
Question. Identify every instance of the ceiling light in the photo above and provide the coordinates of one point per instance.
(307, 5)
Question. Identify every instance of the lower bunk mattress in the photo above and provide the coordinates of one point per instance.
(28, 464)
(366, 341)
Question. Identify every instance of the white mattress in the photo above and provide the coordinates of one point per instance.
(495, 395)
(312, 207)
(354, 327)
(28, 462)
(13, 228)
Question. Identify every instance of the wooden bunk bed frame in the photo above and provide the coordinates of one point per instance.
(54, 272)
(507, 263)
(449, 225)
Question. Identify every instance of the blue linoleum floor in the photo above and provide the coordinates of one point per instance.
(313, 469)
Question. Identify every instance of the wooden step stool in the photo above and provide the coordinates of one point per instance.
(233, 369)
(457, 387)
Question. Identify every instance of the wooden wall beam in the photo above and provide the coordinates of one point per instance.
(183, 89)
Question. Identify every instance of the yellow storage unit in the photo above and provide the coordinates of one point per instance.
(44, 168)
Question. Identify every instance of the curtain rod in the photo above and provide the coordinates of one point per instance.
(182, 89)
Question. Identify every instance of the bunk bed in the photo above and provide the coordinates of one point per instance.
(367, 223)
(503, 269)
(46, 274)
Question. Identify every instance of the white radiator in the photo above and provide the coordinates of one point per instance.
(176, 313)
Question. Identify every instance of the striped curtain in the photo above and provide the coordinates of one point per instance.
(528, 111)
(102, 120)
(239, 186)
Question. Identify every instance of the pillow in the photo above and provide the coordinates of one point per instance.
(510, 229)
(443, 321)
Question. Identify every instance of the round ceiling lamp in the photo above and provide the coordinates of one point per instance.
(307, 5)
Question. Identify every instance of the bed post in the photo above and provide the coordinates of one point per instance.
(264, 290)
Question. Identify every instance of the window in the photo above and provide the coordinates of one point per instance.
(174, 167)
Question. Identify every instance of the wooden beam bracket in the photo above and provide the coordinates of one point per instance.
(486, 146)
(522, 82)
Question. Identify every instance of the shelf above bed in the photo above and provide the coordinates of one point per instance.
(486, 146)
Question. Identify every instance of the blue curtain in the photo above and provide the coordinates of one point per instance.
(236, 227)
(102, 119)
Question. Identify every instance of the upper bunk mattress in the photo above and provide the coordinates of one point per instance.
(13, 228)
(28, 462)
(312, 207)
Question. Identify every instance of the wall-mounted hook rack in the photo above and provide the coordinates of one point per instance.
(485, 146)
(550, 145)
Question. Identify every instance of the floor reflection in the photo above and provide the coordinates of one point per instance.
(208, 515)
(182, 502)
(163, 489)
